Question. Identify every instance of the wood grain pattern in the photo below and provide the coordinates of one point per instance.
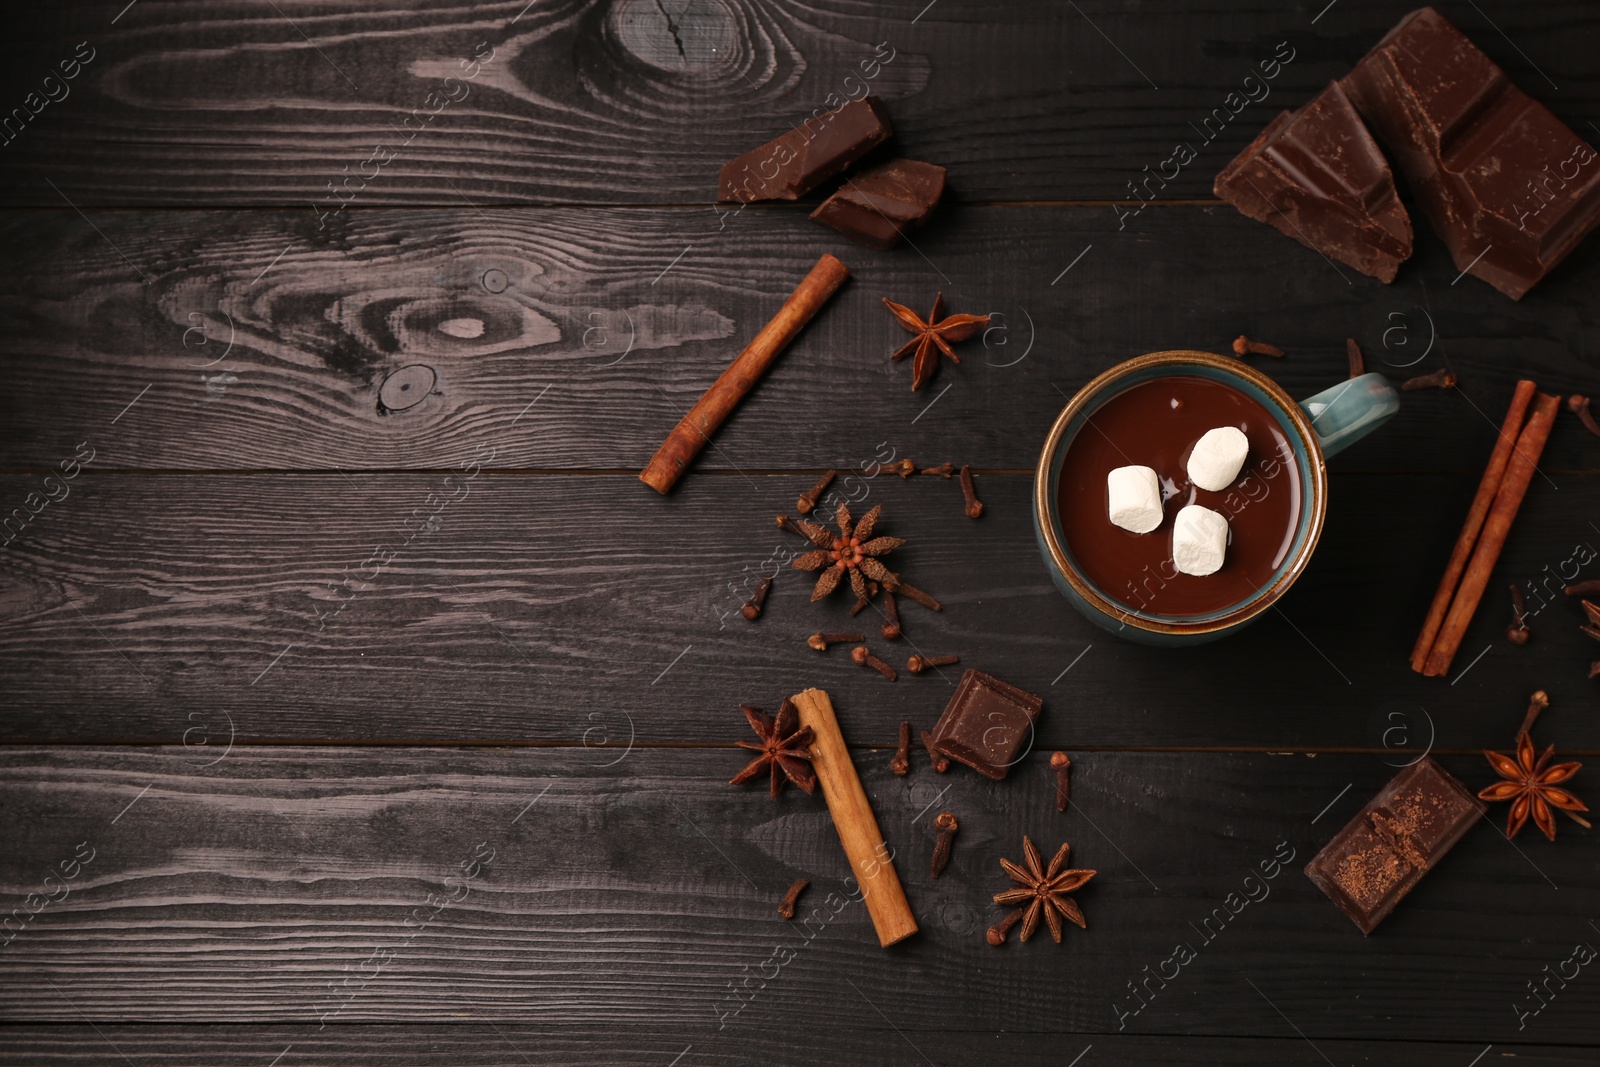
(544, 887)
(510, 1044)
(562, 340)
(338, 448)
(630, 101)
(537, 608)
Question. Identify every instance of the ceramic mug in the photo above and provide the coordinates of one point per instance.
(1315, 429)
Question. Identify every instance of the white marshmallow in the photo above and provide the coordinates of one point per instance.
(1135, 498)
(1199, 540)
(1217, 458)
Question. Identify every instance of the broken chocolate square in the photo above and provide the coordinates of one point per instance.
(988, 724)
(1400, 835)
(1507, 185)
(820, 148)
(1317, 176)
(877, 206)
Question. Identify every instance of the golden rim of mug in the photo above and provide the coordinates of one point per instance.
(1318, 489)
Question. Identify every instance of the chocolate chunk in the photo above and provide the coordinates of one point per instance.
(877, 206)
(1317, 175)
(987, 725)
(1509, 187)
(1392, 842)
(802, 159)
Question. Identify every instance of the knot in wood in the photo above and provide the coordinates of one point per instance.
(406, 387)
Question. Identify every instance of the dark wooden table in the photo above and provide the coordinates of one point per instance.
(383, 716)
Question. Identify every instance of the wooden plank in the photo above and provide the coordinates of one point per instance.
(636, 102)
(358, 350)
(645, 891)
(510, 1044)
(535, 608)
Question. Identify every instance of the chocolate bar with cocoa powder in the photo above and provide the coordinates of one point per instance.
(1400, 835)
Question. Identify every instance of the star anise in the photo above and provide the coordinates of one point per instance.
(852, 551)
(1591, 611)
(783, 748)
(933, 336)
(1044, 890)
(1533, 785)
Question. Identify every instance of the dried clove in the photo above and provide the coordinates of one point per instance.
(906, 589)
(860, 606)
(974, 505)
(1358, 361)
(947, 826)
(943, 470)
(1242, 345)
(939, 760)
(820, 642)
(1588, 587)
(1578, 404)
(918, 664)
(901, 763)
(808, 499)
(1439, 379)
(891, 616)
(792, 897)
(905, 468)
(752, 608)
(1517, 633)
(1060, 762)
(997, 933)
(865, 658)
(1536, 703)
(786, 524)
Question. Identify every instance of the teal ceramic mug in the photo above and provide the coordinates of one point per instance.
(1313, 429)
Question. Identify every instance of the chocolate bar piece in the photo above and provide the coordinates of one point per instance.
(1392, 842)
(802, 159)
(877, 206)
(987, 725)
(1509, 187)
(1317, 176)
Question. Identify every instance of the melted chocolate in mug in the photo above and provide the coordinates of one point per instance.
(1155, 424)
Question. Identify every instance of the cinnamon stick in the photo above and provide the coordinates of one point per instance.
(1476, 514)
(694, 430)
(1513, 487)
(870, 856)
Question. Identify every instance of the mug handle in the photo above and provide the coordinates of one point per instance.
(1345, 413)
